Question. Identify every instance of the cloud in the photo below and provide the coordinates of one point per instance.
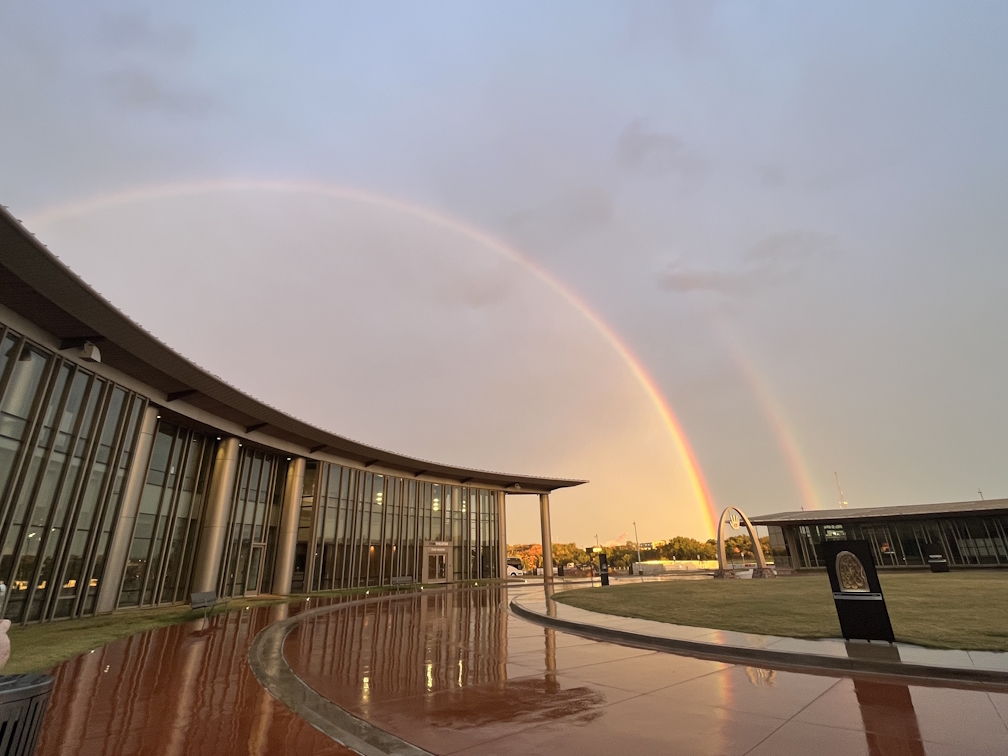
(579, 211)
(792, 247)
(134, 31)
(655, 153)
(773, 259)
(136, 89)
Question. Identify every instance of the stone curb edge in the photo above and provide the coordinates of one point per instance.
(919, 673)
(271, 669)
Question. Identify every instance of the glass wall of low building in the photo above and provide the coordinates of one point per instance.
(66, 438)
(170, 516)
(970, 541)
(359, 528)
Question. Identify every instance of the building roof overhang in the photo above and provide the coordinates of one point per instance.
(36, 285)
(953, 509)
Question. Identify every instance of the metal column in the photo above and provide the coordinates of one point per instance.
(547, 537)
(502, 535)
(289, 520)
(215, 517)
(118, 552)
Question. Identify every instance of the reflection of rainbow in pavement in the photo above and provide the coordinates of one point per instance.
(696, 479)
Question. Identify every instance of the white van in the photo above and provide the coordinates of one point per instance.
(514, 567)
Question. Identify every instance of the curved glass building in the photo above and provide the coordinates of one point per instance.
(131, 477)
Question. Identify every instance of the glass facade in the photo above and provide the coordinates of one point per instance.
(253, 523)
(159, 566)
(968, 541)
(359, 528)
(66, 438)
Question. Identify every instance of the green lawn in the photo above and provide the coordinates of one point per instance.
(40, 646)
(966, 610)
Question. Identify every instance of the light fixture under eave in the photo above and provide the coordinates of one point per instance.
(90, 352)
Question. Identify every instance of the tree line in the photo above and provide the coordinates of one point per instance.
(680, 548)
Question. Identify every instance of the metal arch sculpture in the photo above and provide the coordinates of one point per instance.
(737, 517)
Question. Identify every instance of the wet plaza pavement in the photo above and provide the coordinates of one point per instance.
(455, 672)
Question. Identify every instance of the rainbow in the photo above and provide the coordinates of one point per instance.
(698, 484)
(776, 419)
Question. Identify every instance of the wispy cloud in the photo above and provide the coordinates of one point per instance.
(772, 259)
(137, 89)
(572, 214)
(656, 153)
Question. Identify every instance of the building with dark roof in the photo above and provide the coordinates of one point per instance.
(970, 533)
(131, 477)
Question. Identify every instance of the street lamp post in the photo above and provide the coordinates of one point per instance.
(637, 541)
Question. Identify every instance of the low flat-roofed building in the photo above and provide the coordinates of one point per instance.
(971, 533)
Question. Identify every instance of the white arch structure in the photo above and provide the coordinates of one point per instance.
(762, 570)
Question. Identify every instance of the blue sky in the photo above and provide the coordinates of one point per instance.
(814, 190)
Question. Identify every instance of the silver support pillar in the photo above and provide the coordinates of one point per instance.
(118, 551)
(215, 517)
(502, 535)
(547, 537)
(289, 520)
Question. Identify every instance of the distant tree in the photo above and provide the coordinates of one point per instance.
(565, 553)
(622, 557)
(745, 546)
(684, 547)
(529, 553)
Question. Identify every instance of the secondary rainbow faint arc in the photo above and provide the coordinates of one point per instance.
(698, 484)
(774, 415)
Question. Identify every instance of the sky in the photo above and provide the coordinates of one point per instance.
(700, 254)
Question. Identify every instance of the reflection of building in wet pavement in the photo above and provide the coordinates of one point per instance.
(452, 642)
(434, 641)
(185, 689)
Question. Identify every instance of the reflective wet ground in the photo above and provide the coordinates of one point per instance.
(180, 690)
(455, 673)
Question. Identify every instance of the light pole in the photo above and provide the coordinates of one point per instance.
(637, 541)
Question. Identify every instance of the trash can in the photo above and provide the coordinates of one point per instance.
(23, 702)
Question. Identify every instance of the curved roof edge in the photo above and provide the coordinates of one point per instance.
(36, 285)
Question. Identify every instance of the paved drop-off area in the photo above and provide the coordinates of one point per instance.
(456, 673)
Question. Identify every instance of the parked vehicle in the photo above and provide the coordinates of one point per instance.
(514, 567)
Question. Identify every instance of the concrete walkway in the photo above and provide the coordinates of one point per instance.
(964, 668)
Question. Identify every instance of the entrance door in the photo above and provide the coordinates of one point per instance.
(436, 568)
(437, 565)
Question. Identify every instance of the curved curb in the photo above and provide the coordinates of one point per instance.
(792, 661)
(271, 669)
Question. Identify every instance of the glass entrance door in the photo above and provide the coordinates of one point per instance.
(436, 568)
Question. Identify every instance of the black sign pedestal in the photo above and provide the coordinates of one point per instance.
(934, 555)
(857, 592)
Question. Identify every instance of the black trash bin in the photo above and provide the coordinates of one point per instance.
(23, 702)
